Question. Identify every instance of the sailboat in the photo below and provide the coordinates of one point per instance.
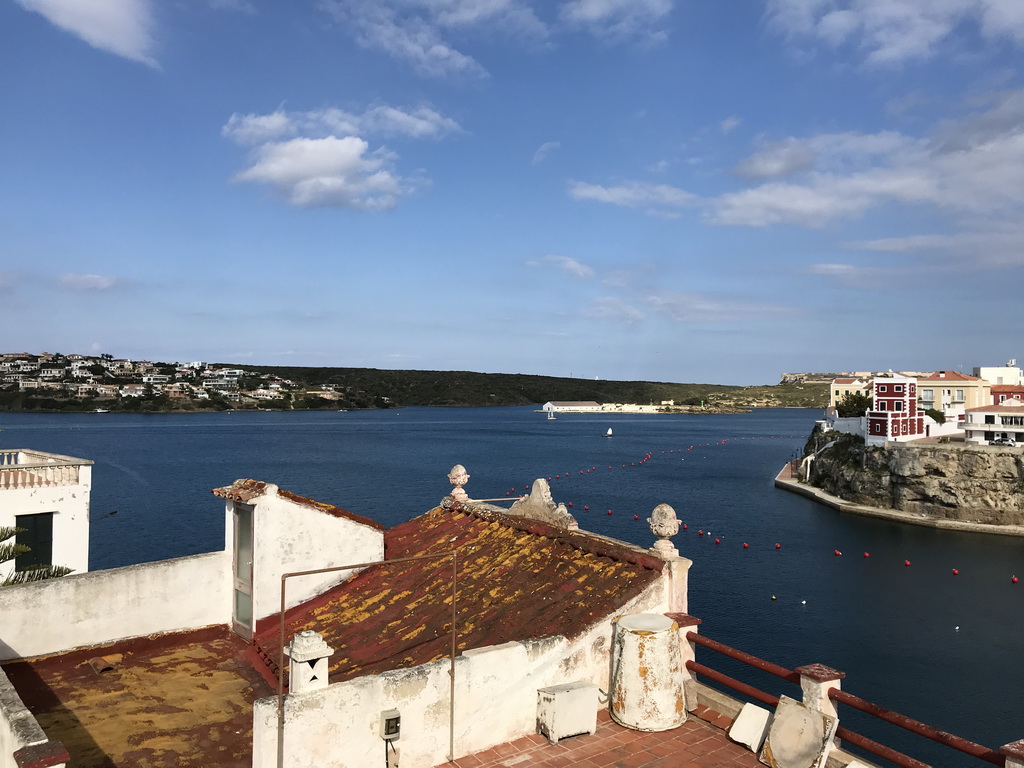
(608, 433)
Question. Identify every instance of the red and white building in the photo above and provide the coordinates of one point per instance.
(894, 415)
(1001, 393)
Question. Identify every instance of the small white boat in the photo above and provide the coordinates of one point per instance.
(551, 416)
(101, 410)
(608, 433)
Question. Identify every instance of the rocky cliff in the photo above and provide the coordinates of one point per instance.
(954, 481)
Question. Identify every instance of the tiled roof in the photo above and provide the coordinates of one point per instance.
(1006, 388)
(246, 490)
(948, 376)
(517, 579)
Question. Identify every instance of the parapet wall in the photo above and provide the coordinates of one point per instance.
(103, 606)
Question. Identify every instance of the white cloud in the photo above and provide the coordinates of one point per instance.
(613, 309)
(895, 31)
(312, 173)
(654, 198)
(565, 264)
(86, 283)
(544, 150)
(317, 158)
(414, 31)
(972, 169)
(620, 20)
(422, 122)
(121, 27)
(729, 125)
(994, 248)
(694, 307)
(779, 159)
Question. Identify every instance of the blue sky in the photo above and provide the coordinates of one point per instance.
(627, 189)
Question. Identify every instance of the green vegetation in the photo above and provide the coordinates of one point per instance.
(853, 404)
(9, 551)
(936, 414)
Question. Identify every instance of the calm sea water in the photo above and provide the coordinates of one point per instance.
(891, 628)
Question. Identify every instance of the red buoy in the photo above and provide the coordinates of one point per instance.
(838, 553)
(1014, 579)
(718, 541)
(745, 545)
(636, 517)
(685, 527)
(956, 572)
(867, 554)
(700, 532)
(586, 509)
(778, 546)
(609, 511)
(570, 503)
(906, 563)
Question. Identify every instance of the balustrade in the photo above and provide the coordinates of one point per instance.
(35, 469)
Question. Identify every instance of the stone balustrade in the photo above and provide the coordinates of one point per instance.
(34, 469)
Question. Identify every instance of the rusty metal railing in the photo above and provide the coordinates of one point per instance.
(842, 697)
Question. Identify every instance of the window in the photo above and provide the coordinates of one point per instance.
(881, 405)
(38, 537)
(1002, 398)
(960, 395)
(837, 393)
(990, 419)
(881, 387)
(898, 406)
(927, 394)
(897, 388)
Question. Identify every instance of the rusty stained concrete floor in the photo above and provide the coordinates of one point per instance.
(173, 700)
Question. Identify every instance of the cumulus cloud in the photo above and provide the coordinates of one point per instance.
(565, 264)
(85, 283)
(972, 168)
(416, 31)
(620, 20)
(311, 173)
(544, 150)
(318, 158)
(894, 32)
(121, 27)
(654, 198)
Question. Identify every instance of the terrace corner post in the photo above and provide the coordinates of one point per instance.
(1014, 754)
(816, 680)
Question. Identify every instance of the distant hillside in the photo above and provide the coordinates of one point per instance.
(364, 387)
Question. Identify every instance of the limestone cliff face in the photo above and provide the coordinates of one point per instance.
(983, 484)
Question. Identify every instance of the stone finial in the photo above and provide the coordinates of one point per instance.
(664, 524)
(308, 666)
(539, 505)
(458, 477)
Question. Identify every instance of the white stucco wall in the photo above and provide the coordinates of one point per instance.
(495, 701)
(18, 728)
(70, 523)
(292, 537)
(102, 606)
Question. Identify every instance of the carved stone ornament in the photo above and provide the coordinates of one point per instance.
(458, 477)
(664, 524)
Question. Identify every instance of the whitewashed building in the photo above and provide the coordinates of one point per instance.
(46, 495)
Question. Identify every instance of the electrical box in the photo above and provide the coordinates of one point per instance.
(390, 725)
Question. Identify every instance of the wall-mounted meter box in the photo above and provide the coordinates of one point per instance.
(390, 725)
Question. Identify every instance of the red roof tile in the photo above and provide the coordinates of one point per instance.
(517, 579)
(948, 376)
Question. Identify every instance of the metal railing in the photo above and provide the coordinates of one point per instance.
(868, 745)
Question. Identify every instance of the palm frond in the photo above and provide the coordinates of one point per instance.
(36, 573)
